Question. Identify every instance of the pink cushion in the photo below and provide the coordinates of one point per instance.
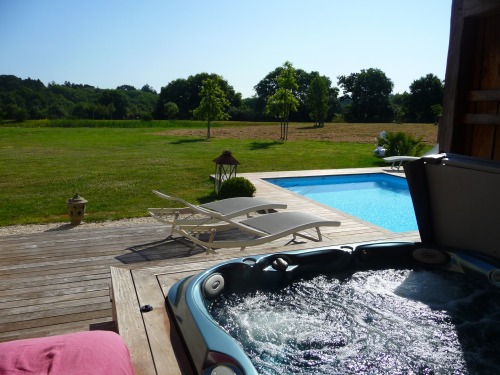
(94, 352)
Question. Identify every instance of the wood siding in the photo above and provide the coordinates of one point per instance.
(471, 119)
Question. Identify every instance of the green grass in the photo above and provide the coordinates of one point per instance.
(115, 169)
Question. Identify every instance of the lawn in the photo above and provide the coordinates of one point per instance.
(115, 169)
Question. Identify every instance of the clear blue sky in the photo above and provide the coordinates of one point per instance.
(108, 43)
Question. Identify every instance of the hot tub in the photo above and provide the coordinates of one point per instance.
(448, 285)
(213, 350)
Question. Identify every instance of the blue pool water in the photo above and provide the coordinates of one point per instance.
(378, 198)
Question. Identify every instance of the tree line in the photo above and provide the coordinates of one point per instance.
(286, 94)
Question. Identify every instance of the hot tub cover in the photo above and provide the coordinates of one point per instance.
(457, 203)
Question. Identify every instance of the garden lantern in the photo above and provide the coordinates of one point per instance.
(76, 209)
(225, 168)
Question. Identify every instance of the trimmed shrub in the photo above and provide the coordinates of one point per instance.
(236, 187)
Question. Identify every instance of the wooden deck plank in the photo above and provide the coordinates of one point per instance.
(66, 258)
(53, 290)
(129, 322)
(41, 302)
(165, 283)
(52, 273)
(69, 262)
(20, 313)
(91, 313)
(57, 243)
(56, 329)
(65, 278)
(157, 324)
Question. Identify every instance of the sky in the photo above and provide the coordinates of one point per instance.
(108, 43)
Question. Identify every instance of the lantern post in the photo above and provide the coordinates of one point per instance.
(225, 168)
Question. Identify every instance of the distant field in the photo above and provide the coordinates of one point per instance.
(116, 168)
(334, 132)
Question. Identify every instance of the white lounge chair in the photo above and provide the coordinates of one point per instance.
(204, 217)
(218, 217)
(262, 228)
(397, 161)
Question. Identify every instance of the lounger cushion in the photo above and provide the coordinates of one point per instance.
(95, 352)
(238, 206)
(285, 222)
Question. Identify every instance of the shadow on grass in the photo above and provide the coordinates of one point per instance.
(208, 198)
(183, 141)
(310, 127)
(264, 145)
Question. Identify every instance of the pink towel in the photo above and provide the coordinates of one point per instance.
(94, 352)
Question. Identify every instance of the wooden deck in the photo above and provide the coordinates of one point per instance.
(60, 281)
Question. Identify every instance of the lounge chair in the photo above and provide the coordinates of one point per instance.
(192, 221)
(398, 160)
(205, 217)
(261, 229)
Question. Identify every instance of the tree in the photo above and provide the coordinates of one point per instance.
(185, 93)
(318, 98)
(301, 93)
(148, 88)
(437, 111)
(425, 92)
(171, 110)
(283, 101)
(264, 89)
(369, 91)
(116, 102)
(177, 91)
(213, 103)
(22, 99)
(269, 84)
(126, 88)
(140, 103)
(72, 100)
(399, 106)
(83, 110)
(13, 112)
(56, 111)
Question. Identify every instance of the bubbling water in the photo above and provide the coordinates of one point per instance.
(376, 322)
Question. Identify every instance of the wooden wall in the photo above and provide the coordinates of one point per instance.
(471, 118)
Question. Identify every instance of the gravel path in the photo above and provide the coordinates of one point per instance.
(39, 228)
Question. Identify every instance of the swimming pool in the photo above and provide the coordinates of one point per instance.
(378, 198)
